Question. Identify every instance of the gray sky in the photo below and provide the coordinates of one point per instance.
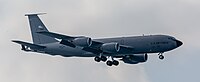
(101, 18)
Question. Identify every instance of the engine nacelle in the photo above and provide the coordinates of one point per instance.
(110, 47)
(82, 42)
(134, 59)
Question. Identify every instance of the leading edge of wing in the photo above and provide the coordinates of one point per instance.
(95, 44)
(56, 35)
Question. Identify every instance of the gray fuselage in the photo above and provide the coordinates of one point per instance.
(141, 45)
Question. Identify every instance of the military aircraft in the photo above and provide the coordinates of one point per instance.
(130, 50)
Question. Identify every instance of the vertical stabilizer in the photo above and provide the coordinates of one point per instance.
(36, 26)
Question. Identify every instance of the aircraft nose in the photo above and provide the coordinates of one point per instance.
(178, 43)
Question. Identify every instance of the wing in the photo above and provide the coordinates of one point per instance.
(95, 47)
(32, 46)
(56, 35)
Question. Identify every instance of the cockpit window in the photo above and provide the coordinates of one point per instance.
(171, 38)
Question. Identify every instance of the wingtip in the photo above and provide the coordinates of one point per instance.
(16, 41)
(13, 40)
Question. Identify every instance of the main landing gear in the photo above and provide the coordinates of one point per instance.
(100, 58)
(114, 62)
(161, 56)
(104, 59)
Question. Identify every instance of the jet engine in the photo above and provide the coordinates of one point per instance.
(134, 59)
(82, 42)
(110, 47)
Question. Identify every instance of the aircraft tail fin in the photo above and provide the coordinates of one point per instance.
(36, 25)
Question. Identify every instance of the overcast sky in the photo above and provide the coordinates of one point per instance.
(101, 18)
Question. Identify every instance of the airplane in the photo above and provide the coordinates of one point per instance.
(130, 50)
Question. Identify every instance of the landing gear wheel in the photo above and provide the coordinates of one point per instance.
(161, 57)
(109, 63)
(97, 59)
(115, 62)
(103, 58)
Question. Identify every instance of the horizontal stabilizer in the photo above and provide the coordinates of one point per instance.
(35, 14)
(32, 46)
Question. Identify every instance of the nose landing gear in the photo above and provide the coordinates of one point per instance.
(161, 56)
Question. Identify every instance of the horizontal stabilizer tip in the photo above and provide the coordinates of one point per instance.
(32, 14)
(31, 45)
